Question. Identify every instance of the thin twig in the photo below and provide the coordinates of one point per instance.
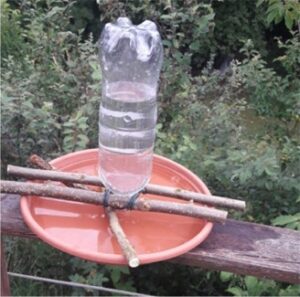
(142, 204)
(151, 188)
(114, 224)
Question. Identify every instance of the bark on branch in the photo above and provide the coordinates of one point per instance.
(142, 204)
(30, 173)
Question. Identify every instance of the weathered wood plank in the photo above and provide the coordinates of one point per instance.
(239, 247)
(11, 219)
(250, 249)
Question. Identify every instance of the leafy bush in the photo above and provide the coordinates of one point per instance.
(215, 126)
(251, 286)
(278, 10)
(11, 32)
(271, 93)
(48, 99)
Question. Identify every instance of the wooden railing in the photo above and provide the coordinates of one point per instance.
(238, 247)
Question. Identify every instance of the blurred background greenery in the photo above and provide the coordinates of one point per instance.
(229, 110)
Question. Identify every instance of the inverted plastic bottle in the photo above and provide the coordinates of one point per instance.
(131, 59)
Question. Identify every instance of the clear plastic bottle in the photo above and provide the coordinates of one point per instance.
(131, 59)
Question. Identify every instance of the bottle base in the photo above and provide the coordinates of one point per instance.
(125, 174)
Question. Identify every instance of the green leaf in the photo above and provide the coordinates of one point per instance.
(82, 120)
(168, 16)
(292, 290)
(115, 276)
(286, 219)
(294, 225)
(210, 16)
(68, 124)
(259, 2)
(55, 10)
(225, 276)
(167, 43)
(68, 139)
(272, 16)
(288, 20)
(96, 75)
(195, 45)
(83, 138)
(236, 291)
(251, 282)
(269, 185)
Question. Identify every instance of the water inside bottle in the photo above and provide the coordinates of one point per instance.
(127, 131)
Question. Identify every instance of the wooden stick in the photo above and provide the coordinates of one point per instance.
(37, 161)
(151, 189)
(196, 197)
(114, 224)
(40, 163)
(79, 195)
(127, 249)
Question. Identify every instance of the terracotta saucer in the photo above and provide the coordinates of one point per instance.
(82, 230)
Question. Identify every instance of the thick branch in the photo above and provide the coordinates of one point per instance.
(79, 195)
(151, 189)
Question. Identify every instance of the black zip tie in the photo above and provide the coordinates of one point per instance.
(132, 200)
(129, 205)
(106, 197)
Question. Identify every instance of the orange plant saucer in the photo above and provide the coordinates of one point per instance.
(82, 229)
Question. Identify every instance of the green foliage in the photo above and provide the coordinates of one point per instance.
(278, 10)
(290, 221)
(251, 286)
(271, 93)
(292, 290)
(87, 273)
(237, 21)
(121, 278)
(12, 42)
(291, 58)
(48, 100)
(167, 279)
(45, 261)
(174, 19)
(74, 134)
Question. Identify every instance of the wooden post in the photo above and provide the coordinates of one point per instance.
(5, 289)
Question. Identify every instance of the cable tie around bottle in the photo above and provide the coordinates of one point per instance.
(132, 200)
(106, 197)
